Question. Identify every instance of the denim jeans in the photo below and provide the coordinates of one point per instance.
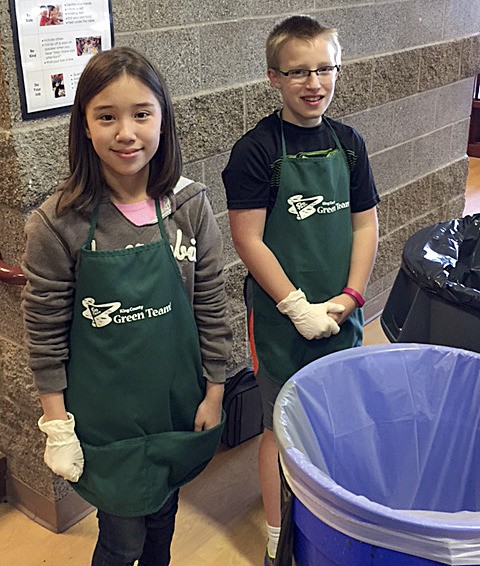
(122, 540)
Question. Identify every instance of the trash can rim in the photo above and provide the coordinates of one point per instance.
(363, 350)
(370, 510)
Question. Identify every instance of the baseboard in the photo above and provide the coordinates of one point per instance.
(56, 516)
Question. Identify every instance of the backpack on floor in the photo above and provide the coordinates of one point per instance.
(243, 408)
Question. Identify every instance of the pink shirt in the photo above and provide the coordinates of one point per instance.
(139, 213)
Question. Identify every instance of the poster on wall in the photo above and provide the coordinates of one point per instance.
(53, 43)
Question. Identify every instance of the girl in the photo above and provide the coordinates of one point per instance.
(127, 346)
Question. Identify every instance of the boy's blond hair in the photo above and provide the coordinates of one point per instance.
(298, 27)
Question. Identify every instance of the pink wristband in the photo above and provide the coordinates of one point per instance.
(355, 294)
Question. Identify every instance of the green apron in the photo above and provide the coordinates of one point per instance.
(135, 378)
(310, 232)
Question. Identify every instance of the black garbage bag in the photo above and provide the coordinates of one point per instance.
(445, 259)
(435, 298)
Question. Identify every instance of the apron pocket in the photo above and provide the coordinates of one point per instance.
(183, 453)
(135, 476)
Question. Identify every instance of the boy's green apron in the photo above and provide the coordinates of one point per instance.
(310, 232)
(135, 378)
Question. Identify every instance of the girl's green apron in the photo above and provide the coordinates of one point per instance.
(135, 378)
(310, 232)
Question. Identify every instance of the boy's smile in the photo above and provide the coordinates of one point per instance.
(304, 102)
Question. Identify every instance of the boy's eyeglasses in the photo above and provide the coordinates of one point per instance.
(301, 75)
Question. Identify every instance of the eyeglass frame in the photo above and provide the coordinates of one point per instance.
(310, 71)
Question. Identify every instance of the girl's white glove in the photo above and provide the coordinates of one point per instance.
(63, 453)
(311, 320)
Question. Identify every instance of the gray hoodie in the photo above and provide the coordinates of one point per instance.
(51, 263)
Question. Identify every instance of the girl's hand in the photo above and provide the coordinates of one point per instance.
(209, 412)
(63, 453)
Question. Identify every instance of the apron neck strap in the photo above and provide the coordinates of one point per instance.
(160, 219)
(93, 227)
(333, 133)
(93, 223)
(284, 145)
(331, 130)
(337, 141)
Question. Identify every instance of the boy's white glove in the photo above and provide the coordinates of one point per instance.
(311, 320)
(63, 453)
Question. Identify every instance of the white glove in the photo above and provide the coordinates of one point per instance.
(63, 454)
(311, 320)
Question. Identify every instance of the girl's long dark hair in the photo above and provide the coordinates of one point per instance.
(84, 186)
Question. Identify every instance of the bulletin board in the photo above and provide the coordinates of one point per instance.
(53, 43)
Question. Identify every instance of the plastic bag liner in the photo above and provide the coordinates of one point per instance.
(382, 444)
(445, 258)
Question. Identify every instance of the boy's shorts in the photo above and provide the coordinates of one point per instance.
(269, 390)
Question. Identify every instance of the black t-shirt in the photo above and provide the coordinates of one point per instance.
(252, 175)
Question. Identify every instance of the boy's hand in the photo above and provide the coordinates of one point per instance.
(313, 321)
(63, 453)
(348, 302)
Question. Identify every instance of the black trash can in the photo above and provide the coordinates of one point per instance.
(435, 298)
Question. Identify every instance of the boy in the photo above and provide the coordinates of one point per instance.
(301, 199)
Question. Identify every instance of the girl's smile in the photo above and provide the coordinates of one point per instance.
(124, 123)
(126, 154)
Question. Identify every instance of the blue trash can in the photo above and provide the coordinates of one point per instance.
(380, 446)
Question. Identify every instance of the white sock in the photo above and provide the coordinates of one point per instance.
(273, 535)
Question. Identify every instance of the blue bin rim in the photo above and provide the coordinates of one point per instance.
(467, 524)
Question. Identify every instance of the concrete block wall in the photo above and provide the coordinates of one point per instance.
(406, 85)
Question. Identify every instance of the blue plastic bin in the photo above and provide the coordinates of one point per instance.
(380, 446)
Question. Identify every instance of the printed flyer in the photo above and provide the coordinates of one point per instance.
(53, 44)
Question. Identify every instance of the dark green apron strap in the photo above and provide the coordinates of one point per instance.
(284, 145)
(336, 140)
(93, 227)
(160, 220)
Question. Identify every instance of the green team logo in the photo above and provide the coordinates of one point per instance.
(99, 314)
(304, 207)
(103, 314)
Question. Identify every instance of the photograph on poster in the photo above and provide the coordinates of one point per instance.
(58, 87)
(88, 45)
(53, 43)
(50, 15)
